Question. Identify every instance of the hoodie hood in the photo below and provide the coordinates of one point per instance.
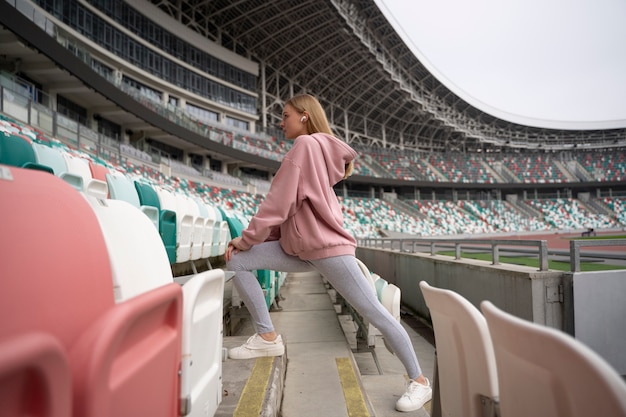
(337, 155)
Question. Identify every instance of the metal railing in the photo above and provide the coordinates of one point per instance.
(575, 245)
(411, 245)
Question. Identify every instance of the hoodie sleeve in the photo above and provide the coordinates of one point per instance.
(279, 204)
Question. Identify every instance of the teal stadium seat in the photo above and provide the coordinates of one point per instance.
(167, 218)
(221, 233)
(18, 152)
(123, 188)
(266, 278)
(184, 224)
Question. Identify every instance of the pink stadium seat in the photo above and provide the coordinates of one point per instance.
(48, 296)
(98, 171)
(58, 317)
(127, 363)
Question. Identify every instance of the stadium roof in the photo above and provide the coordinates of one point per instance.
(376, 91)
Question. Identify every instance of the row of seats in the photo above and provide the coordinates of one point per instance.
(190, 229)
(24, 148)
(93, 323)
(496, 364)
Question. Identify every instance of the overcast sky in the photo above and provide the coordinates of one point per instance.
(545, 63)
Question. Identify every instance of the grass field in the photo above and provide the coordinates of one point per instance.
(534, 262)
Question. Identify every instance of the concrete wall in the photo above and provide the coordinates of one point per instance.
(600, 314)
(542, 297)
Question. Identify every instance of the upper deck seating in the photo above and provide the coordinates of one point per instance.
(58, 315)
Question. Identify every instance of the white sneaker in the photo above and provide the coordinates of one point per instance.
(256, 347)
(415, 397)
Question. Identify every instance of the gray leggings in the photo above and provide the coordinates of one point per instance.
(344, 275)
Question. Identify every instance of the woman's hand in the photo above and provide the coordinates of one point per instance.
(233, 247)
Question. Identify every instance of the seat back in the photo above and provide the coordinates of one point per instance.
(465, 358)
(122, 188)
(545, 372)
(199, 223)
(167, 219)
(184, 224)
(79, 167)
(98, 171)
(139, 262)
(222, 232)
(16, 151)
(390, 299)
(47, 301)
(209, 229)
(201, 383)
(380, 285)
(137, 374)
(50, 157)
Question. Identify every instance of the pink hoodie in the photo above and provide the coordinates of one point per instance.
(301, 208)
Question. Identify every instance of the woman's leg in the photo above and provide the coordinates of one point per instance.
(267, 255)
(346, 277)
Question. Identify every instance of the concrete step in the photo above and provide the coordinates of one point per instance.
(319, 375)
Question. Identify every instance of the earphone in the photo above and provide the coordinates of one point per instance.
(303, 119)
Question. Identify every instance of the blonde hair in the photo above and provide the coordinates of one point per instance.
(316, 121)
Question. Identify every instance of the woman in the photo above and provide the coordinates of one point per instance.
(299, 227)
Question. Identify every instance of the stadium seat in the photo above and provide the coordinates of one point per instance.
(466, 366)
(63, 304)
(140, 265)
(35, 377)
(167, 218)
(199, 223)
(123, 188)
(78, 166)
(18, 152)
(380, 285)
(208, 212)
(545, 372)
(47, 301)
(201, 368)
(222, 233)
(128, 362)
(98, 171)
(50, 157)
(184, 224)
(138, 258)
